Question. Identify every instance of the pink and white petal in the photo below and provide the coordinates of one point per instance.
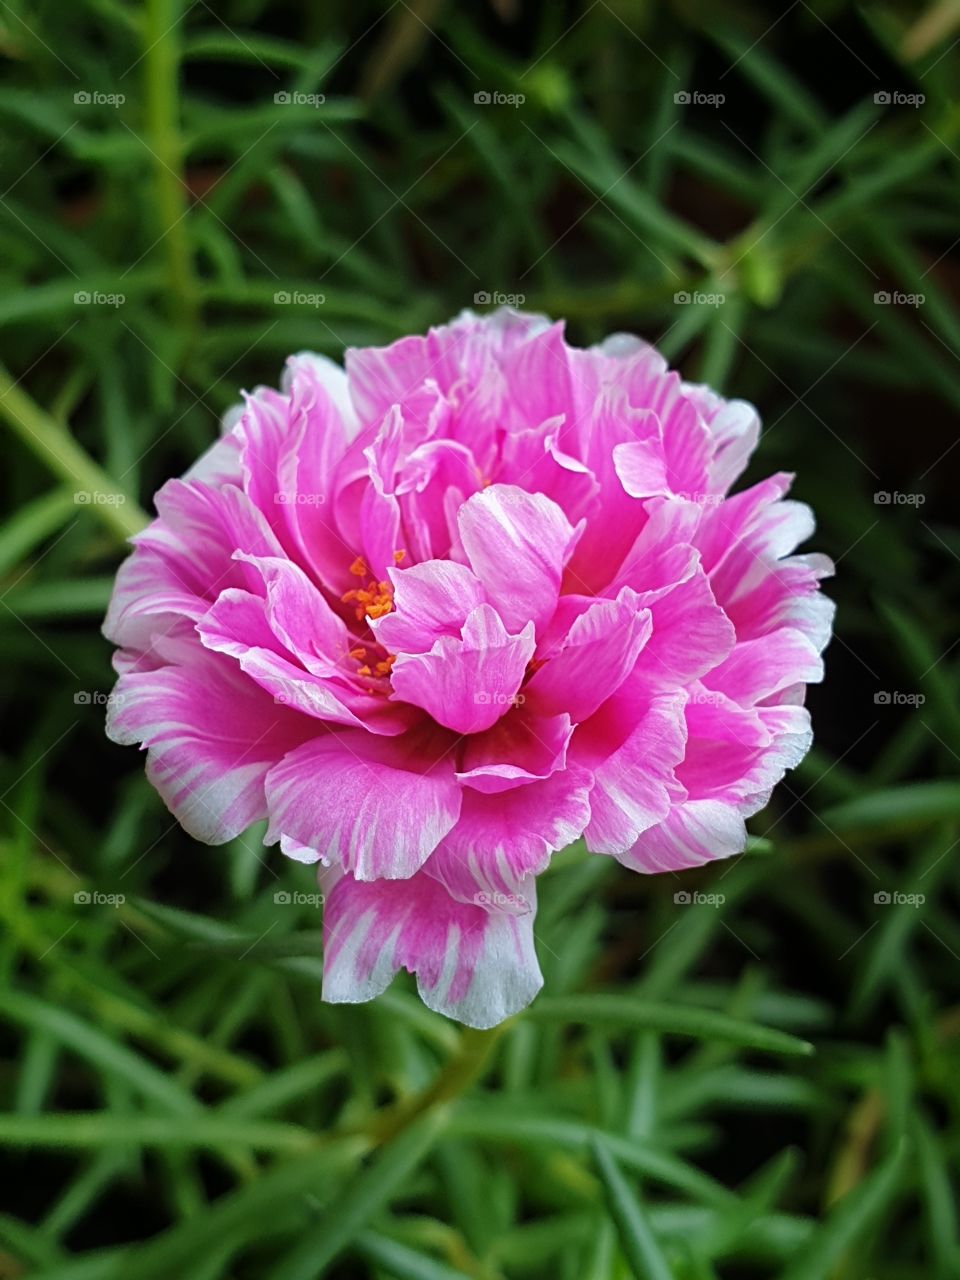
(633, 782)
(691, 633)
(237, 625)
(615, 516)
(735, 428)
(662, 554)
(428, 475)
(534, 460)
(788, 595)
(220, 463)
(517, 544)
(756, 669)
(724, 526)
(430, 600)
(474, 965)
(521, 748)
(377, 807)
(600, 651)
(211, 736)
(695, 832)
(298, 852)
(726, 744)
(326, 376)
(182, 561)
(501, 839)
(467, 684)
(642, 468)
(308, 476)
(537, 375)
(300, 617)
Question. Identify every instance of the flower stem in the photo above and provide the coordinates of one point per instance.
(162, 61)
(458, 1073)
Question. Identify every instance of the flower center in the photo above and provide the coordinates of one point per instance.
(371, 601)
(376, 598)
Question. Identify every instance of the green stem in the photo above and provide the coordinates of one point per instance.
(460, 1071)
(55, 446)
(162, 62)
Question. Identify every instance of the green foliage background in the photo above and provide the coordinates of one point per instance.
(176, 1101)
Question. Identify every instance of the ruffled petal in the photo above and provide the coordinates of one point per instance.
(472, 964)
(377, 807)
(695, 832)
(211, 736)
(517, 544)
(599, 652)
(632, 746)
(430, 600)
(467, 684)
(501, 839)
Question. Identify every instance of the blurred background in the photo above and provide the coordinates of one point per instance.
(188, 193)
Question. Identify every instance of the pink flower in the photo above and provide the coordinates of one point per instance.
(441, 614)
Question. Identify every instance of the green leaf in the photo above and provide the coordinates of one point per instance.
(637, 1239)
(360, 1199)
(605, 1009)
(849, 1221)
